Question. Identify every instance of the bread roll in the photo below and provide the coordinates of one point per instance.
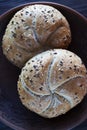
(32, 30)
(52, 83)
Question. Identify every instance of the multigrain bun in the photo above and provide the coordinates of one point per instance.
(52, 83)
(32, 30)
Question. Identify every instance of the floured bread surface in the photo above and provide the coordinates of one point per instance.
(32, 30)
(52, 83)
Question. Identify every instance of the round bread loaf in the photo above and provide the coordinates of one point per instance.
(32, 30)
(52, 82)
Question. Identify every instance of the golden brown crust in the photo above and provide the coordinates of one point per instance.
(52, 82)
(34, 29)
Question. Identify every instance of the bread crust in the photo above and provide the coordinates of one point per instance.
(32, 30)
(52, 83)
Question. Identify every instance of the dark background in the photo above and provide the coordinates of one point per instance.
(78, 5)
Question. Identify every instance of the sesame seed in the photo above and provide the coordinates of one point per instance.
(12, 22)
(17, 23)
(40, 62)
(34, 7)
(35, 66)
(76, 97)
(51, 15)
(42, 11)
(19, 55)
(18, 88)
(41, 88)
(31, 70)
(22, 20)
(77, 100)
(80, 85)
(48, 11)
(60, 77)
(21, 37)
(31, 81)
(42, 84)
(67, 77)
(25, 69)
(71, 62)
(75, 66)
(13, 34)
(27, 78)
(13, 59)
(36, 75)
(40, 105)
(27, 12)
(61, 19)
(77, 70)
(52, 10)
(21, 14)
(37, 69)
(55, 53)
(45, 16)
(61, 63)
(75, 93)
(61, 71)
(30, 14)
(53, 20)
(46, 20)
(42, 66)
(81, 71)
(18, 27)
(22, 98)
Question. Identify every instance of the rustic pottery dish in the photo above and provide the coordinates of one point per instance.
(12, 112)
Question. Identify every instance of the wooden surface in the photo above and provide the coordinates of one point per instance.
(79, 5)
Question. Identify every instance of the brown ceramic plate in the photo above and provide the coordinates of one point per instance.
(12, 112)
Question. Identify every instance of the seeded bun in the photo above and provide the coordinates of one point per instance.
(52, 83)
(32, 30)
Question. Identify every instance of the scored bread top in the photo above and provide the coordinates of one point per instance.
(32, 30)
(52, 82)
